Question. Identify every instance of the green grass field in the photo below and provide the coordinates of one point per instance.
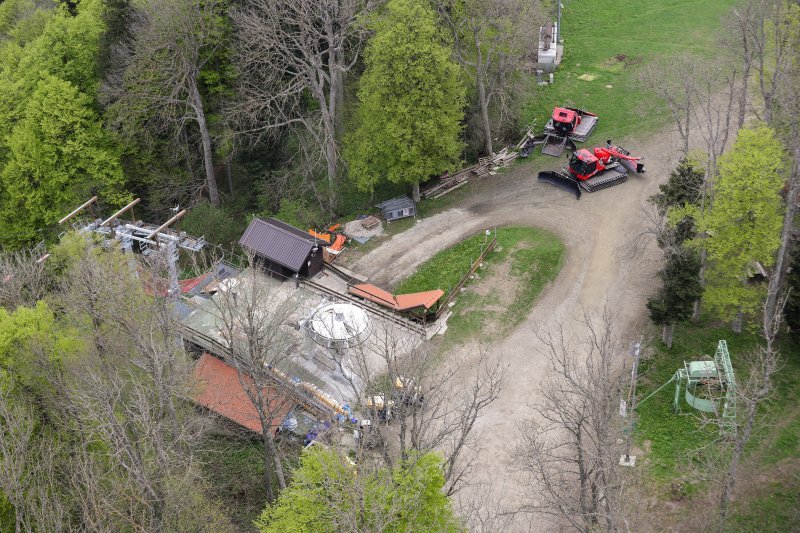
(611, 40)
(672, 438)
(533, 257)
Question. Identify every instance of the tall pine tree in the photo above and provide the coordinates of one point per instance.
(677, 198)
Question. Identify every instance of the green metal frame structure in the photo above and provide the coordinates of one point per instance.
(694, 373)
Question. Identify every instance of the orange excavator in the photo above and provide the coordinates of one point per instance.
(334, 241)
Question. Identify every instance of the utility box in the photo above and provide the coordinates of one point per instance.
(702, 369)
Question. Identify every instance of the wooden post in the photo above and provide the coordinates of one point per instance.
(118, 213)
(166, 224)
(78, 210)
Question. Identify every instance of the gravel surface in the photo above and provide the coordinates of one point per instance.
(601, 266)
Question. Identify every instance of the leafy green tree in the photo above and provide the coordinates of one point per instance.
(68, 47)
(744, 223)
(328, 493)
(219, 225)
(681, 288)
(411, 101)
(49, 42)
(58, 156)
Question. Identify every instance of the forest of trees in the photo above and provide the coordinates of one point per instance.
(310, 110)
(303, 109)
(250, 106)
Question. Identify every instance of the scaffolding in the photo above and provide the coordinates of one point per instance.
(151, 238)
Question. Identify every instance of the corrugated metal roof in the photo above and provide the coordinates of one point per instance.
(278, 242)
(395, 204)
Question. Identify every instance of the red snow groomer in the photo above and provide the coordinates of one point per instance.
(594, 170)
(567, 125)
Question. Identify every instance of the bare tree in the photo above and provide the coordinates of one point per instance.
(716, 97)
(134, 466)
(676, 81)
(30, 472)
(740, 20)
(254, 324)
(767, 33)
(417, 403)
(155, 79)
(23, 279)
(287, 50)
(16, 441)
(761, 366)
(48, 507)
(788, 99)
(568, 447)
(493, 43)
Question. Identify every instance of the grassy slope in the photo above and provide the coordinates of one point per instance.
(596, 32)
(776, 441)
(535, 256)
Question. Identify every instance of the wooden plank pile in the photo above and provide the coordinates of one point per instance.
(486, 166)
(449, 182)
(370, 222)
(529, 135)
(503, 159)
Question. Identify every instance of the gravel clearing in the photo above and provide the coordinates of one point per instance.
(601, 267)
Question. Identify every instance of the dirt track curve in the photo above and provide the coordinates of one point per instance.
(600, 265)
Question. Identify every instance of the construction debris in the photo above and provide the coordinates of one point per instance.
(447, 182)
(370, 222)
(356, 230)
(503, 159)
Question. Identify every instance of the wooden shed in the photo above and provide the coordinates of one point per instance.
(283, 249)
(396, 208)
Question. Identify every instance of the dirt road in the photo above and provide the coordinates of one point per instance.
(600, 266)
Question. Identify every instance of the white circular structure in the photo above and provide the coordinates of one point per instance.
(338, 325)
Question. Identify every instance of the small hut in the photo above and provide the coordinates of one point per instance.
(283, 249)
(396, 208)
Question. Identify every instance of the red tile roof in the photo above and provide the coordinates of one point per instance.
(188, 284)
(425, 299)
(218, 389)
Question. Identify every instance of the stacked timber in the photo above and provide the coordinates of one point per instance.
(370, 222)
(503, 159)
(450, 182)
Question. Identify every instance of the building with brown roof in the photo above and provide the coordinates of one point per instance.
(282, 249)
